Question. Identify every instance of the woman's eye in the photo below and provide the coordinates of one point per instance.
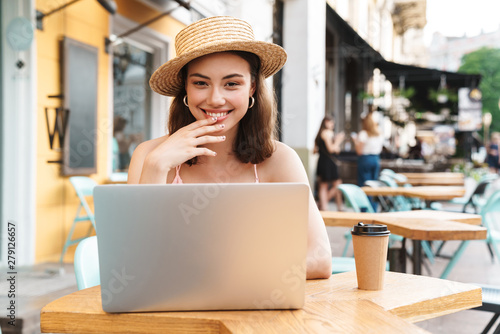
(232, 84)
(200, 83)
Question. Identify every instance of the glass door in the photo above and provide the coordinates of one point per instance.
(132, 68)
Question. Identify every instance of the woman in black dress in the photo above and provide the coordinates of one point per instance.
(327, 144)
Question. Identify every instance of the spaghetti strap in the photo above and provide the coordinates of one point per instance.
(177, 179)
(256, 175)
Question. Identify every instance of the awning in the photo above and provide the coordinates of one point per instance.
(419, 76)
(353, 45)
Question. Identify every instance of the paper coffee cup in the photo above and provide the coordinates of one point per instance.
(370, 243)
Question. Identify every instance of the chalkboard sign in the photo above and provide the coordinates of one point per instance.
(79, 82)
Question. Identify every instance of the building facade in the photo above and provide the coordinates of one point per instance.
(332, 48)
(445, 53)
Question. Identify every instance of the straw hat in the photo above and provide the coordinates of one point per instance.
(210, 35)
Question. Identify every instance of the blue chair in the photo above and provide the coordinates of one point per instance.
(357, 199)
(386, 202)
(401, 203)
(406, 204)
(87, 263)
(392, 174)
(477, 199)
(343, 264)
(84, 187)
(493, 229)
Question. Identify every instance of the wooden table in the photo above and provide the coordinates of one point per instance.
(427, 193)
(434, 179)
(333, 305)
(416, 225)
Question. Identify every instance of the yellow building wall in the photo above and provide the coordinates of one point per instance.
(87, 22)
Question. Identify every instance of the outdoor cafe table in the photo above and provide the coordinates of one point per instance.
(434, 179)
(416, 225)
(427, 193)
(333, 305)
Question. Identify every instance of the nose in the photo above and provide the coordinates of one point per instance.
(216, 97)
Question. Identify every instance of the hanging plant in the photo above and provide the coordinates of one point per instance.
(407, 93)
(362, 95)
(443, 95)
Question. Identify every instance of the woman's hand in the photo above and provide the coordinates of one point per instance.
(152, 162)
(339, 138)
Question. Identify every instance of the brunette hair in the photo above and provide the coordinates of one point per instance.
(256, 130)
(318, 139)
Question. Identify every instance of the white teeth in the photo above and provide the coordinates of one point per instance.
(216, 114)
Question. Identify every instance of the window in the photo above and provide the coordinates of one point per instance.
(138, 114)
(132, 68)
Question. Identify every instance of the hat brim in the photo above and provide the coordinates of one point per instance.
(166, 80)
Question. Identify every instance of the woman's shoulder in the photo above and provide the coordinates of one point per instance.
(326, 134)
(283, 151)
(147, 146)
(281, 166)
(362, 135)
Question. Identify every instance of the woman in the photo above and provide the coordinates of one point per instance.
(222, 120)
(493, 158)
(368, 145)
(328, 144)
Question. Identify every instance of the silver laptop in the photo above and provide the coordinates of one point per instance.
(202, 246)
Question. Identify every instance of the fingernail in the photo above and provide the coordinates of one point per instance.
(214, 118)
(222, 126)
(215, 153)
(223, 137)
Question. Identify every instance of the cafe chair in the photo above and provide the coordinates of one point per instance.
(396, 176)
(84, 187)
(474, 200)
(492, 207)
(359, 202)
(342, 264)
(87, 263)
(477, 199)
(401, 203)
(492, 226)
(386, 202)
(407, 203)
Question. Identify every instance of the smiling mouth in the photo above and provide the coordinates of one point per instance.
(215, 114)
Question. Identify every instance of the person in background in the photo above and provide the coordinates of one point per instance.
(493, 158)
(222, 121)
(368, 144)
(122, 144)
(327, 144)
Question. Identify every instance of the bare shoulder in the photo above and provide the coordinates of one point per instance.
(147, 146)
(139, 156)
(283, 166)
(326, 134)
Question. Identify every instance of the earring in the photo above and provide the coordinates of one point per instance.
(251, 103)
(185, 101)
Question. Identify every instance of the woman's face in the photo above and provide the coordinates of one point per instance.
(219, 85)
(329, 124)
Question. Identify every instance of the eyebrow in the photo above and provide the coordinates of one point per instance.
(229, 76)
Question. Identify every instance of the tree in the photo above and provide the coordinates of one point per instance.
(486, 61)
